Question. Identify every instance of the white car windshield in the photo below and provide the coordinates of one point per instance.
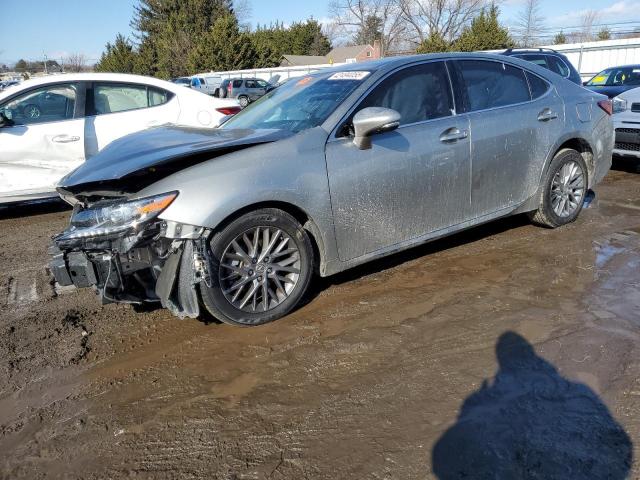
(300, 103)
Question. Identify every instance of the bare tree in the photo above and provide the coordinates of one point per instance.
(589, 18)
(76, 62)
(530, 23)
(244, 12)
(350, 16)
(446, 18)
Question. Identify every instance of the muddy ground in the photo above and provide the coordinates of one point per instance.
(508, 351)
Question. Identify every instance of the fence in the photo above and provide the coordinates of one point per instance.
(589, 58)
(269, 73)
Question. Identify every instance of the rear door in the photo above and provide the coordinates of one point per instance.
(511, 133)
(413, 180)
(46, 140)
(118, 109)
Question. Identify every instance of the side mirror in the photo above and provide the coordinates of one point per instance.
(372, 120)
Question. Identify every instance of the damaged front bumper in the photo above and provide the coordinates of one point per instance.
(161, 262)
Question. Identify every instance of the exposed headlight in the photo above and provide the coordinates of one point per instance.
(113, 218)
(619, 105)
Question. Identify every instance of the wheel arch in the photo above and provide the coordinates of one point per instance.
(583, 147)
(308, 224)
(568, 142)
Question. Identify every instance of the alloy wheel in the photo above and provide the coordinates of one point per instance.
(259, 269)
(567, 189)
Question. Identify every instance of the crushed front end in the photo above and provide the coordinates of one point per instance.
(129, 255)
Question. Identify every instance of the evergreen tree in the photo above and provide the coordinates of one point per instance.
(118, 57)
(435, 43)
(484, 33)
(369, 31)
(560, 38)
(604, 34)
(224, 47)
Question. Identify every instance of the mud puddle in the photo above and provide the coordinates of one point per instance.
(507, 342)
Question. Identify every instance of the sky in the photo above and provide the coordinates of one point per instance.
(56, 28)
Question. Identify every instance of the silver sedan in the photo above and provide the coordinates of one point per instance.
(327, 172)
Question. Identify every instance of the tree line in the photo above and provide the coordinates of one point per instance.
(179, 37)
(174, 38)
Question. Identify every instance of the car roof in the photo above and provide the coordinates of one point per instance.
(89, 77)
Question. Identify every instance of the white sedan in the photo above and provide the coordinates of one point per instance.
(50, 125)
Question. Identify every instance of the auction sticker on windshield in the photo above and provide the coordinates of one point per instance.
(348, 76)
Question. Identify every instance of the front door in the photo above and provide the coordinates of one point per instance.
(414, 180)
(44, 142)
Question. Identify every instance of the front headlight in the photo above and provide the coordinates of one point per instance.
(114, 218)
(619, 105)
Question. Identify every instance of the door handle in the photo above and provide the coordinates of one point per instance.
(546, 115)
(453, 135)
(65, 138)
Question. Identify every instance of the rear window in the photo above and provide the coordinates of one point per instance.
(492, 84)
(237, 83)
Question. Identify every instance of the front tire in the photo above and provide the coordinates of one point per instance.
(262, 265)
(564, 189)
(243, 101)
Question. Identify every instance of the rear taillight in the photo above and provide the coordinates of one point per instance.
(229, 86)
(228, 110)
(607, 106)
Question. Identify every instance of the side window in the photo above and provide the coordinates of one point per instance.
(537, 85)
(237, 83)
(418, 93)
(157, 96)
(250, 84)
(262, 83)
(119, 97)
(558, 66)
(537, 59)
(492, 84)
(47, 104)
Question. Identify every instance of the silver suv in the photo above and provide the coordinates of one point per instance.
(327, 172)
(245, 90)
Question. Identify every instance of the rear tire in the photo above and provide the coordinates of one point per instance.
(564, 190)
(272, 254)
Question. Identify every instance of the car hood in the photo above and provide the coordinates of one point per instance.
(609, 91)
(135, 161)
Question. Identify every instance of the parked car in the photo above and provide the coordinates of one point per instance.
(182, 81)
(245, 90)
(626, 121)
(208, 84)
(549, 59)
(327, 172)
(8, 83)
(50, 125)
(614, 81)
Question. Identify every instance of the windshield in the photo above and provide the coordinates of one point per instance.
(616, 77)
(299, 104)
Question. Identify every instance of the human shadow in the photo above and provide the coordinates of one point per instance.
(531, 423)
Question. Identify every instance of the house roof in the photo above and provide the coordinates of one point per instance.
(305, 59)
(341, 54)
